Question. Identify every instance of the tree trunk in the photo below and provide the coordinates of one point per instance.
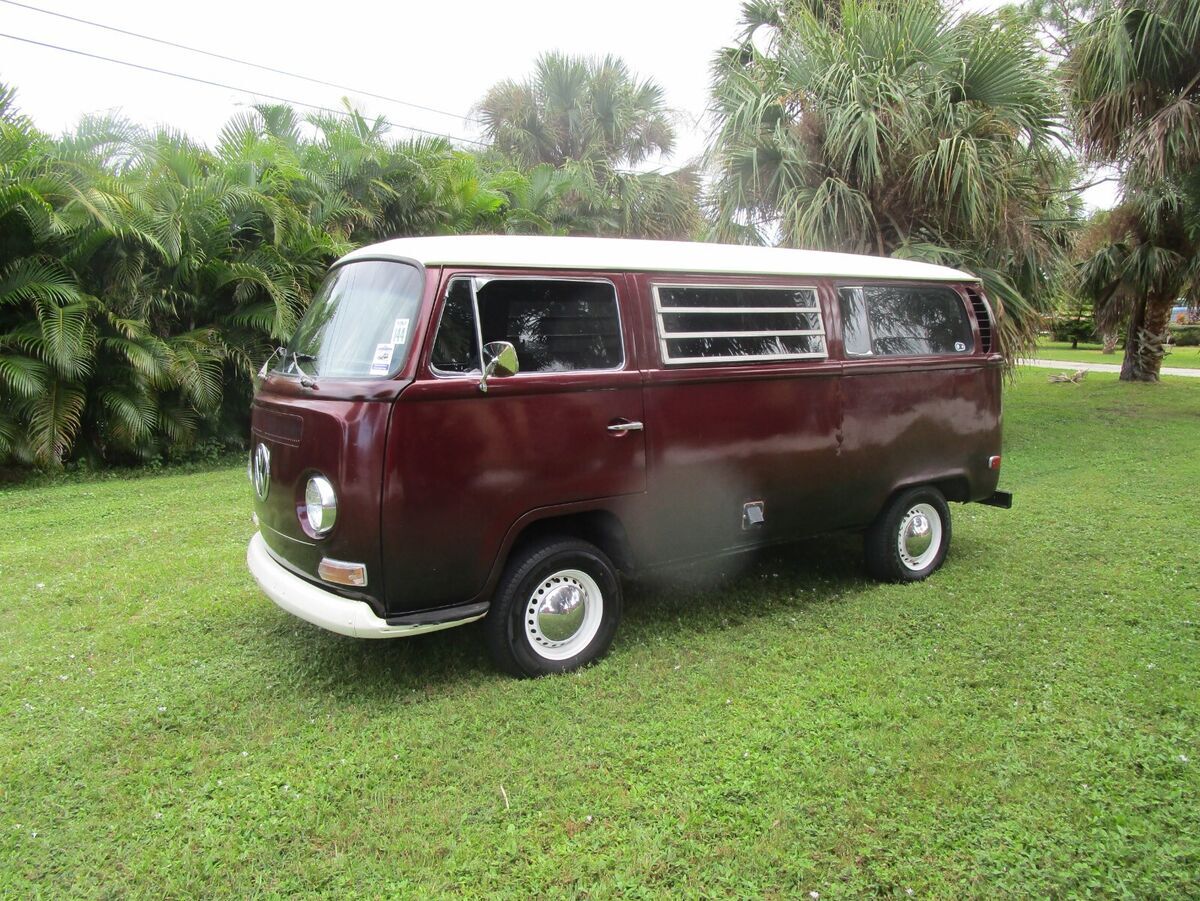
(1130, 369)
(1144, 343)
(1155, 335)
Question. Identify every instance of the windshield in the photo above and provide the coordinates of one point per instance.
(360, 324)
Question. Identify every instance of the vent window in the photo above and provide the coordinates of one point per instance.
(983, 316)
(732, 324)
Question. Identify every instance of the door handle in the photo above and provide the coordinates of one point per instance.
(624, 425)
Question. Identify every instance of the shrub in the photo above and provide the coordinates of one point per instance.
(1185, 335)
(1073, 329)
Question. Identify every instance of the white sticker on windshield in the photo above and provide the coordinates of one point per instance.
(400, 331)
(383, 359)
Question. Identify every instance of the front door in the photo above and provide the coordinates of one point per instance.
(464, 464)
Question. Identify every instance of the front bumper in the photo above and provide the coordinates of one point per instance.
(332, 611)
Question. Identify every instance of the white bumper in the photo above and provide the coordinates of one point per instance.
(324, 608)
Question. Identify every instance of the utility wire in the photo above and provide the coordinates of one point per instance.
(241, 62)
(229, 87)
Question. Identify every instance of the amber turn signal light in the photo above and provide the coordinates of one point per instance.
(342, 573)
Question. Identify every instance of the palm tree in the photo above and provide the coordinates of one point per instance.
(1134, 79)
(898, 129)
(573, 108)
(592, 120)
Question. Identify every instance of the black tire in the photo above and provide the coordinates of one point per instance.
(886, 560)
(579, 574)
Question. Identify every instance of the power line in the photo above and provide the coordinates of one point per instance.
(241, 62)
(228, 87)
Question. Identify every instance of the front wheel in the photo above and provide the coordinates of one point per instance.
(556, 609)
(909, 539)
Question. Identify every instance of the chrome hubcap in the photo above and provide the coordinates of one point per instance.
(920, 536)
(561, 611)
(563, 614)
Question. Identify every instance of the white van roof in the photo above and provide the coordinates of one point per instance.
(627, 254)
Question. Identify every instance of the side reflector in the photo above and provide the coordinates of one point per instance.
(342, 573)
(994, 462)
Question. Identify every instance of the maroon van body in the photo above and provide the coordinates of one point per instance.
(435, 484)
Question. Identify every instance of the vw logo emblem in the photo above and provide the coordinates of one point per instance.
(260, 472)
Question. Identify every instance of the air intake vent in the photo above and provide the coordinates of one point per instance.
(984, 317)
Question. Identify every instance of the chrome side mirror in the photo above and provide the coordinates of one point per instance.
(499, 360)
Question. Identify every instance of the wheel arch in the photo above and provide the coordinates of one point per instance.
(954, 486)
(588, 521)
(600, 527)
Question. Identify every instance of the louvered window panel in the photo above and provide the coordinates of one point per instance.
(984, 317)
(738, 323)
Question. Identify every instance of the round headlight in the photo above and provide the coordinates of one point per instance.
(320, 505)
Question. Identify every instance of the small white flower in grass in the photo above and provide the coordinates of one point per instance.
(63, 678)
(158, 814)
(814, 895)
(40, 585)
(1183, 758)
(728, 701)
(162, 709)
(245, 753)
(220, 782)
(908, 891)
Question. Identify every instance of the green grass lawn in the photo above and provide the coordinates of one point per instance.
(1181, 357)
(1025, 722)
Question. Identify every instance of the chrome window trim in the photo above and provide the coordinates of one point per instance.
(475, 373)
(664, 336)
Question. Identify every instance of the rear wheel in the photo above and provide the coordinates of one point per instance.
(909, 539)
(556, 608)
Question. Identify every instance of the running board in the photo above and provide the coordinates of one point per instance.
(445, 615)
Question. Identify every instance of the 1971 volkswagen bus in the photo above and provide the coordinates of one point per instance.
(471, 427)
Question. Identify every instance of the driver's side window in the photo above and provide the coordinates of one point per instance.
(556, 325)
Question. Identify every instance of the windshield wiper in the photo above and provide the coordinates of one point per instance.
(297, 358)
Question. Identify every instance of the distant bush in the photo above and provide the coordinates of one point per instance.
(1185, 335)
(1073, 329)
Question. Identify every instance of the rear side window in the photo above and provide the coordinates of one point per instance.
(730, 324)
(904, 320)
(556, 325)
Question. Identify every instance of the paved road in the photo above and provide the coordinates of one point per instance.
(1106, 367)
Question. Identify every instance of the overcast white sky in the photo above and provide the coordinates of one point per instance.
(439, 55)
